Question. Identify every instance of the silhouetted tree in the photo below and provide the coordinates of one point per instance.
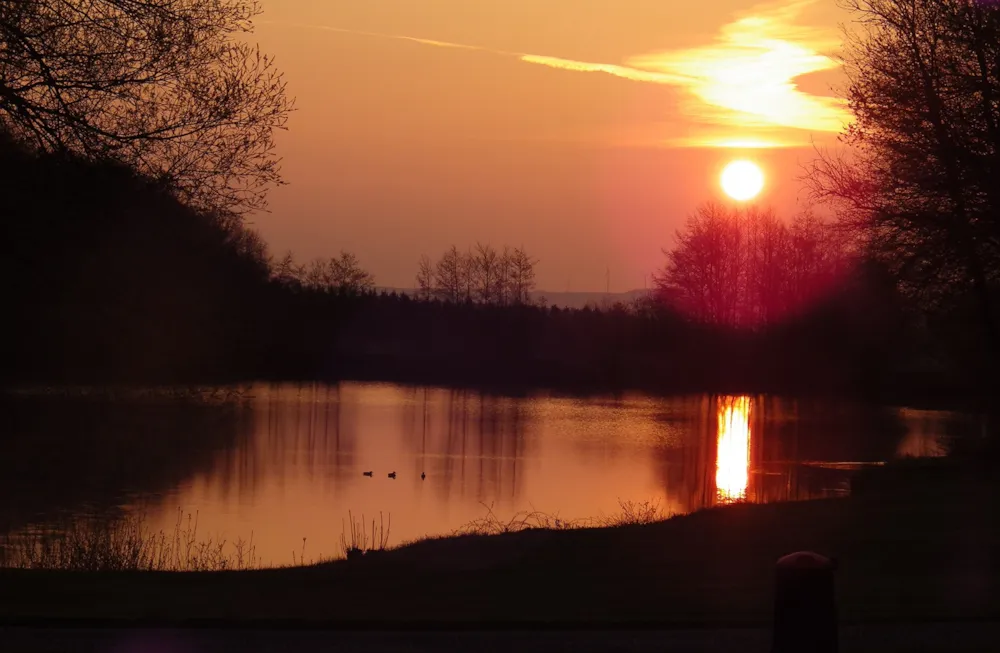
(521, 276)
(450, 277)
(818, 257)
(346, 276)
(425, 278)
(167, 87)
(486, 275)
(287, 272)
(703, 269)
(316, 274)
(918, 186)
(468, 269)
(505, 270)
(483, 276)
(343, 275)
(768, 264)
(744, 267)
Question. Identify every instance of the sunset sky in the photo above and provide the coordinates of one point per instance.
(584, 130)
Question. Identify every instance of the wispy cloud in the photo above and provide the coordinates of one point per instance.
(743, 82)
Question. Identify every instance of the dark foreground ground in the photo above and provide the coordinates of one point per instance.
(922, 550)
(912, 638)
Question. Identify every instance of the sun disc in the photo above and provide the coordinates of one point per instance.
(742, 180)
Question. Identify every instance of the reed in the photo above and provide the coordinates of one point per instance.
(126, 544)
(363, 542)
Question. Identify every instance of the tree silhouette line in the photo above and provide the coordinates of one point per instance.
(140, 268)
(504, 278)
(339, 274)
(116, 280)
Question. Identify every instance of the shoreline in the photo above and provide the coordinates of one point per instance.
(956, 401)
(907, 554)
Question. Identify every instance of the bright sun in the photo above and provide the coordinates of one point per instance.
(742, 180)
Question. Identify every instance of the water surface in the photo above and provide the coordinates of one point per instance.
(286, 462)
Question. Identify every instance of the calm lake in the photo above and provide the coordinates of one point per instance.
(286, 462)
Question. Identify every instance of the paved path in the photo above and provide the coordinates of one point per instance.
(912, 638)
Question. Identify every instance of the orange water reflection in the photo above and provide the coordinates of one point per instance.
(286, 463)
(732, 466)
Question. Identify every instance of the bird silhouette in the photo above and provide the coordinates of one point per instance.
(422, 476)
(392, 474)
(367, 473)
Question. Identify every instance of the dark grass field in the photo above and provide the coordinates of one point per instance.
(923, 549)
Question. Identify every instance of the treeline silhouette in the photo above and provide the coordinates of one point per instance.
(127, 260)
(112, 279)
(483, 275)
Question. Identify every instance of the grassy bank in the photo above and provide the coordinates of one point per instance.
(923, 553)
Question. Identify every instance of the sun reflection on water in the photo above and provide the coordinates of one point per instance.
(732, 466)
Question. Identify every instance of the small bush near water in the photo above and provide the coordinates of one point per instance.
(126, 544)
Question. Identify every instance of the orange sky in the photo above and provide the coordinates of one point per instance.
(584, 130)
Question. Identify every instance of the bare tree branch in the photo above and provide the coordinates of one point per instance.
(168, 87)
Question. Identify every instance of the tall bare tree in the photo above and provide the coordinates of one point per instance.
(521, 281)
(919, 184)
(703, 271)
(817, 257)
(767, 261)
(486, 275)
(505, 269)
(468, 271)
(170, 88)
(425, 278)
(449, 276)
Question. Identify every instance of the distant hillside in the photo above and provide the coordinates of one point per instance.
(562, 299)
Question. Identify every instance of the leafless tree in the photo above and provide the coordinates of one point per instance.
(918, 185)
(425, 278)
(287, 272)
(522, 277)
(486, 276)
(170, 88)
(482, 275)
(468, 271)
(346, 276)
(504, 270)
(745, 267)
(703, 271)
(316, 275)
(449, 276)
(767, 278)
(818, 255)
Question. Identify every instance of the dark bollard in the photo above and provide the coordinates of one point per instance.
(805, 611)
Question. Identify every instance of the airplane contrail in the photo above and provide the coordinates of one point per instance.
(624, 72)
(395, 37)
